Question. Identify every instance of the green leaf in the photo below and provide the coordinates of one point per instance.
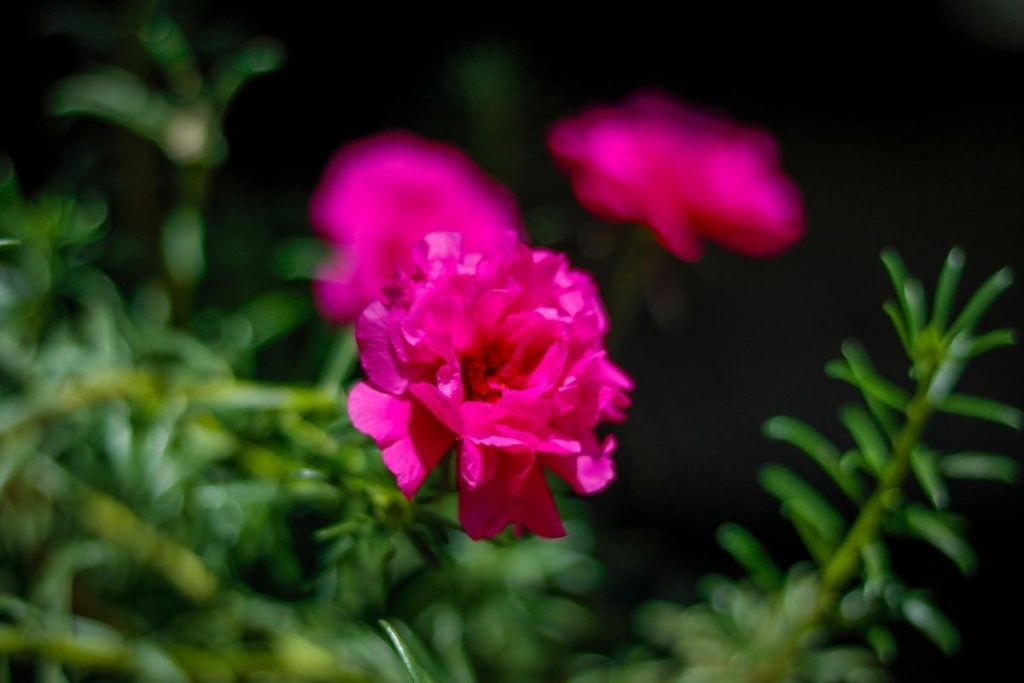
(870, 384)
(182, 245)
(875, 557)
(925, 465)
(802, 502)
(926, 618)
(341, 360)
(817, 447)
(991, 340)
(882, 643)
(751, 555)
(115, 96)
(945, 290)
(945, 377)
(908, 292)
(892, 310)
(260, 56)
(979, 466)
(415, 671)
(983, 409)
(980, 302)
(942, 531)
(7, 243)
(870, 442)
(165, 42)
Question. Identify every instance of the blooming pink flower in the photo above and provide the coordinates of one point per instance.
(500, 355)
(686, 175)
(380, 195)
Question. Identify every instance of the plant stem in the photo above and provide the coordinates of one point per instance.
(845, 562)
(135, 385)
(292, 657)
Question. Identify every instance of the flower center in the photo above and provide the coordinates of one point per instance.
(487, 373)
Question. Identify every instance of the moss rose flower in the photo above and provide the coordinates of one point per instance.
(380, 195)
(502, 356)
(686, 175)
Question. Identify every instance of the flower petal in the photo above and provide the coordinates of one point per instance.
(376, 351)
(523, 501)
(411, 439)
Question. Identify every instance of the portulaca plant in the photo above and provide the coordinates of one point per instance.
(412, 512)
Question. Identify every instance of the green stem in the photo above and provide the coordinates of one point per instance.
(74, 396)
(845, 562)
(75, 649)
(292, 657)
(221, 394)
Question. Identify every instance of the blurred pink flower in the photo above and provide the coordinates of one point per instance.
(502, 356)
(380, 195)
(685, 174)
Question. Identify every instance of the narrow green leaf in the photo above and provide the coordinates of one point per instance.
(892, 310)
(908, 292)
(979, 466)
(751, 555)
(925, 465)
(926, 618)
(341, 360)
(817, 447)
(166, 43)
(945, 378)
(884, 414)
(415, 671)
(869, 441)
(801, 499)
(983, 409)
(115, 96)
(980, 302)
(260, 56)
(7, 243)
(882, 643)
(916, 306)
(942, 531)
(991, 340)
(814, 539)
(182, 244)
(945, 290)
(875, 557)
(869, 384)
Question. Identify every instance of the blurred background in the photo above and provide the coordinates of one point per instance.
(900, 122)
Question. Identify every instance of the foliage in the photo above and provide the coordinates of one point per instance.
(798, 624)
(169, 516)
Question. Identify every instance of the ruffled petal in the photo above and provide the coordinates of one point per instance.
(376, 350)
(510, 496)
(411, 439)
(585, 472)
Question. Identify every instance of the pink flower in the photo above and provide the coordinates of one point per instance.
(684, 174)
(380, 195)
(500, 355)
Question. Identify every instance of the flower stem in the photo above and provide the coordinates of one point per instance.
(845, 562)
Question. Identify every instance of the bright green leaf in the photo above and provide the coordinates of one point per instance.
(927, 618)
(750, 554)
(415, 671)
(870, 442)
(945, 290)
(980, 302)
(817, 447)
(983, 409)
(942, 531)
(991, 340)
(979, 466)
(924, 463)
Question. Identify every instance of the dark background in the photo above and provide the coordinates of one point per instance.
(899, 121)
